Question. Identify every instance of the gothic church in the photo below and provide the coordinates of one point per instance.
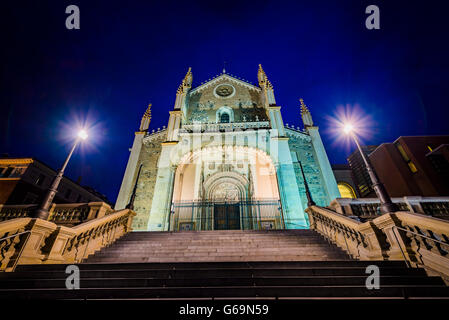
(225, 161)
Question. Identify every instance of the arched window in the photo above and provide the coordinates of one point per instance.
(225, 115)
(224, 118)
(346, 191)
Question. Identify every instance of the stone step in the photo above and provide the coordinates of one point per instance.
(212, 282)
(308, 247)
(220, 246)
(217, 258)
(103, 271)
(230, 265)
(298, 292)
(217, 254)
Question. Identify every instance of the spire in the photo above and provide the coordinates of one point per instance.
(305, 114)
(261, 75)
(186, 82)
(146, 119)
(266, 86)
(304, 108)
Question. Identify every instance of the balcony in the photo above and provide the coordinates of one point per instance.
(224, 127)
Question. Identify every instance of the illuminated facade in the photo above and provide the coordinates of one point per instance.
(225, 161)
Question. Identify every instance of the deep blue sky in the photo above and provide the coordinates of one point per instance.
(130, 53)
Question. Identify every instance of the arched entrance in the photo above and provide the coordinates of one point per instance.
(225, 187)
(226, 190)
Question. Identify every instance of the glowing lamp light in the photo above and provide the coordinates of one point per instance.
(82, 134)
(348, 128)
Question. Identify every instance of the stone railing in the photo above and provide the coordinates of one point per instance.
(62, 214)
(217, 127)
(368, 208)
(37, 241)
(420, 240)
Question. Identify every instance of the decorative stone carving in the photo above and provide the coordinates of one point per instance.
(199, 116)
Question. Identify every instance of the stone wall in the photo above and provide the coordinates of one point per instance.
(149, 156)
(245, 102)
(302, 150)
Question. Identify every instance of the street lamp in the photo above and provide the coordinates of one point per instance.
(386, 205)
(42, 211)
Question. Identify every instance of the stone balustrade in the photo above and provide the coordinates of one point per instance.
(217, 127)
(37, 241)
(368, 208)
(420, 240)
(69, 214)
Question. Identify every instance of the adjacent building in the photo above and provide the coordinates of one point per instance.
(26, 180)
(414, 166)
(360, 174)
(345, 181)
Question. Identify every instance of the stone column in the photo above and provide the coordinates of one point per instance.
(128, 178)
(293, 211)
(330, 183)
(277, 125)
(163, 190)
(174, 123)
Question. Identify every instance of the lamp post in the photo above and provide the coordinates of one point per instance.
(42, 211)
(130, 204)
(310, 201)
(386, 205)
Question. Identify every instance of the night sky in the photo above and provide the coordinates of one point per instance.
(130, 53)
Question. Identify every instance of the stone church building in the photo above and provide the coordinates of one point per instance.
(225, 161)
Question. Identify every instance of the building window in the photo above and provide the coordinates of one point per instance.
(78, 200)
(224, 118)
(406, 158)
(68, 193)
(40, 180)
(30, 198)
(346, 191)
(7, 172)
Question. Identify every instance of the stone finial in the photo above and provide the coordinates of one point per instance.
(186, 82)
(305, 114)
(261, 75)
(146, 119)
(304, 108)
(263, 79)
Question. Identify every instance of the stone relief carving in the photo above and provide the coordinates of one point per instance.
(199, 116)
(226, 191)
(209, 105)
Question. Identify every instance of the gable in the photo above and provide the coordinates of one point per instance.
(224, 92)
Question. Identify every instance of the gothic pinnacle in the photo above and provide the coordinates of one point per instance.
(304, 108)
(146, 119)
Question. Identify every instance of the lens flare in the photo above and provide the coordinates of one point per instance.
(349, 119)
(83, 134)
(348, 128)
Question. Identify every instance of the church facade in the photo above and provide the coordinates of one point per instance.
(225, 161)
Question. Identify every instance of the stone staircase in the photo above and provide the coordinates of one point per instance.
(224, 245)
(292, 264)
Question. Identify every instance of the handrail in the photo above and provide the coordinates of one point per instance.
(421, 235)
(415, 233)
(21, 249)
(338, 227)
(14, 235)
